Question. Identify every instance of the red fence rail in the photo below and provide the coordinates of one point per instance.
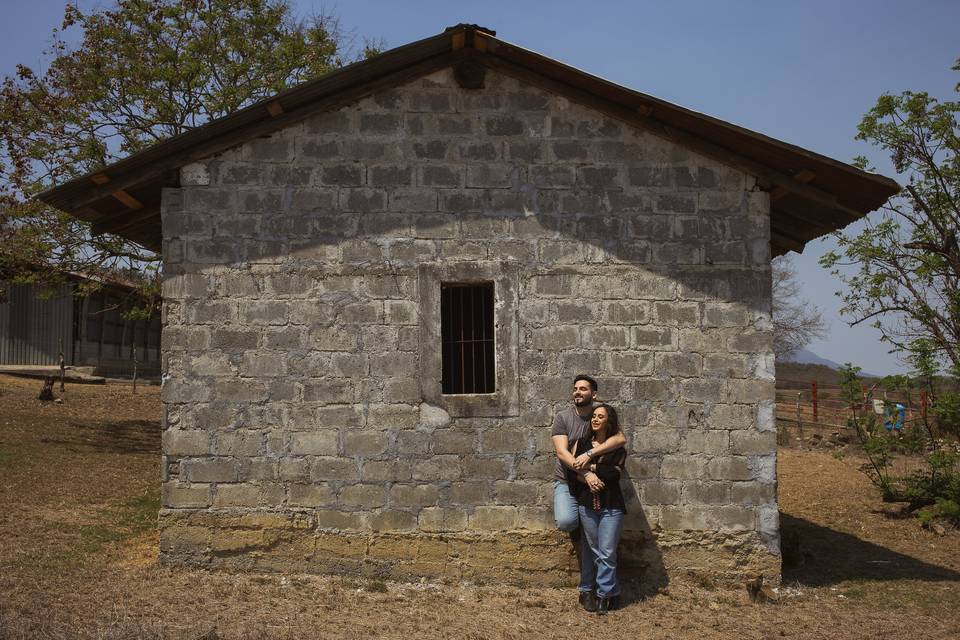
(809, 404)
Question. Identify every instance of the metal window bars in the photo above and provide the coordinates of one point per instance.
(467, 337)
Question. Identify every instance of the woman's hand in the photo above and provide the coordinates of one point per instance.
(581, 461)
(593, 481)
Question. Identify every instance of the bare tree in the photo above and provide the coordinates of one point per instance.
(796, 322)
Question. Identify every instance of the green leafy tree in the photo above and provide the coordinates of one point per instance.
(905, 281)
(906, 278)
(143, 71)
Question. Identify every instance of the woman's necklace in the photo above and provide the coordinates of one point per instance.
(596, 496)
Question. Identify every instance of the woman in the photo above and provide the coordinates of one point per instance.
(597, 491)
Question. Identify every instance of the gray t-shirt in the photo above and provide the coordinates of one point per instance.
(568, 423)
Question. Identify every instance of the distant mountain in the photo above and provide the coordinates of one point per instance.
(805, 356)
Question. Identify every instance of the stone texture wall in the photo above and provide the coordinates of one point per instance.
(296, 436)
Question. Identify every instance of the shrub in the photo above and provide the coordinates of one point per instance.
(933, 491)
(948, 414)
(942, 509)
(940, 480)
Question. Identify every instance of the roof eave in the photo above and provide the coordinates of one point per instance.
(836, 192)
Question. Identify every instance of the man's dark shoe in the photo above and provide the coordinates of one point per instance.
(587, 601)
(603, 606)
(614, 603)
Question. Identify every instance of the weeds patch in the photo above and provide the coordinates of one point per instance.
(369, 585)
(120, 522)
(8, 459)
(83, 543)
(703, 581)
(375, 586)
(858, 592)
(137, 514)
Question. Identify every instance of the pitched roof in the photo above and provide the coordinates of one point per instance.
(811, 194)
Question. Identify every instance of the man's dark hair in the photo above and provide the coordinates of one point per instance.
(590, 381)
(613, 420)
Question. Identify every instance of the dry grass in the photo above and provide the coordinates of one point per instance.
(78, 494)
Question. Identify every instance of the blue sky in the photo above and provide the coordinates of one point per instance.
(803, 72)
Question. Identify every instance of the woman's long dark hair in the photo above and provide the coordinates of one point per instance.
(613, 420)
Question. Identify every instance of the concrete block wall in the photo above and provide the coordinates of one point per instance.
(296, 435)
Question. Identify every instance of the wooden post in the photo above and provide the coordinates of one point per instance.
(102, 325)
(84, 311)
(134, 366)
(813, 391)
(63, 365)
(123, 337)
(799, 420)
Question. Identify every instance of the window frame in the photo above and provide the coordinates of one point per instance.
(474, 352)
(504, 401)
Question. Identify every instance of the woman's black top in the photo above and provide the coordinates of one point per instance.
(609, 466)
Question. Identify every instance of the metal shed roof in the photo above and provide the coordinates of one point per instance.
(811, 194)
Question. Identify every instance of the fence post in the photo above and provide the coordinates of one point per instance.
(63, 365)
(134, 369)
(813, 391)
(799, 420)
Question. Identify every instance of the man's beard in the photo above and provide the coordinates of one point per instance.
(582, 401)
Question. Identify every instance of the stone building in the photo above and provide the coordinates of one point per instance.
(379, 284)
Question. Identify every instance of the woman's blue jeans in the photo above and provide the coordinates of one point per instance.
(598, 564)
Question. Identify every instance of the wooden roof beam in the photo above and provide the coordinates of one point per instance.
(146, 234)
(786, 241)
(121, 221)
(128, 200)
(804, 176)
(805, 218)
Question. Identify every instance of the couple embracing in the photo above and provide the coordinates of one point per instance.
(588, 502)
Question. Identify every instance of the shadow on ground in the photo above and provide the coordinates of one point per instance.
(816, 556)
(122, 436)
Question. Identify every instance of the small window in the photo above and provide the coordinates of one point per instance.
(467, 338)
(468, 360)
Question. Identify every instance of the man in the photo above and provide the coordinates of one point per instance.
(569, 426)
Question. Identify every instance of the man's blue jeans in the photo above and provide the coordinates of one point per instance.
(598, 564)
(564, 507)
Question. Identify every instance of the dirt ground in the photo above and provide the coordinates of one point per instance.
(78, 546)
